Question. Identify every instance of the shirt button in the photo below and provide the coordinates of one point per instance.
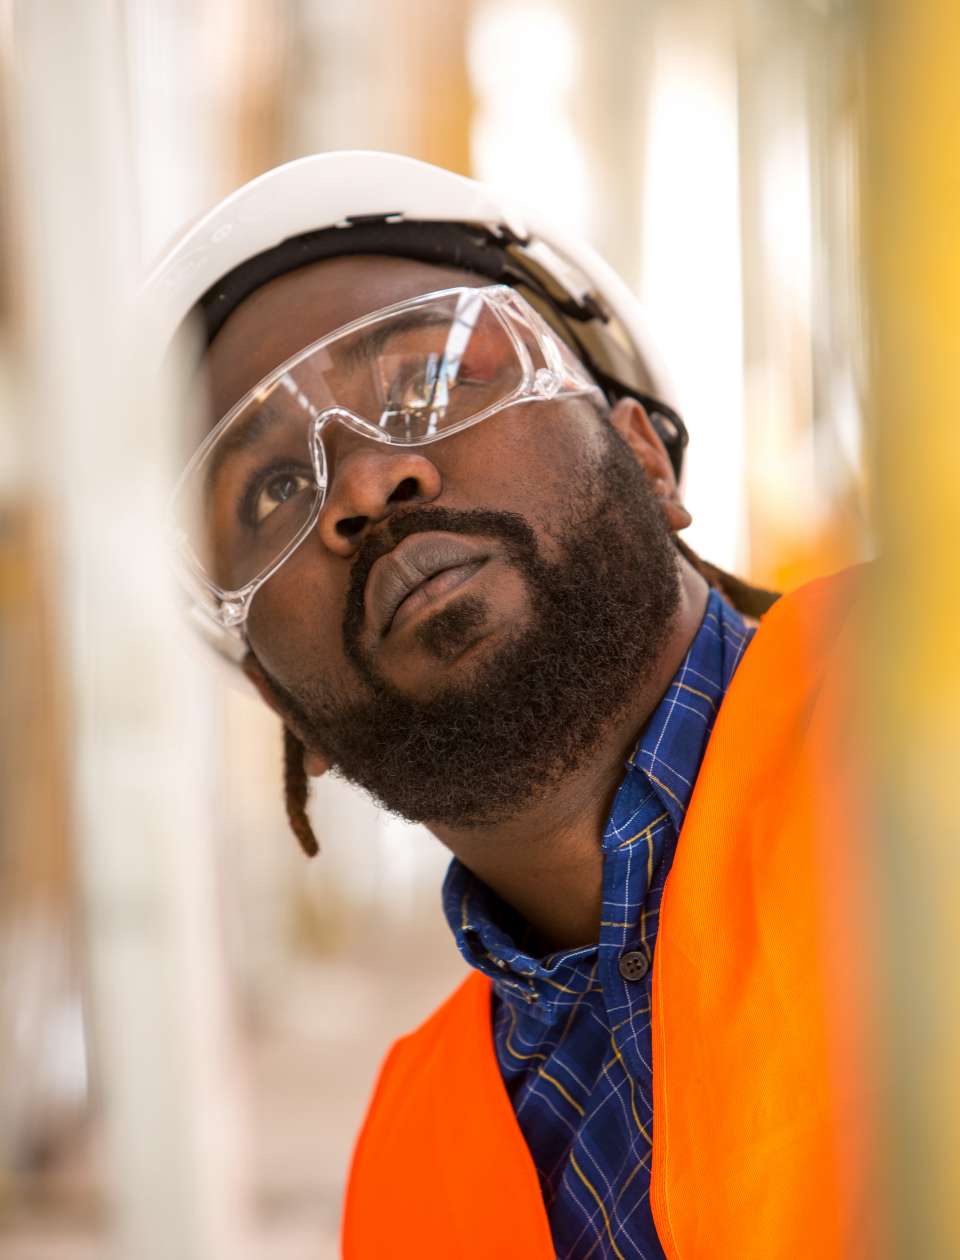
(633, 965)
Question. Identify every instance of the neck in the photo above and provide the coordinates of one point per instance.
(547, 863)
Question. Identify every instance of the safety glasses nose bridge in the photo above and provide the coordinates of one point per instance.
(325, 420)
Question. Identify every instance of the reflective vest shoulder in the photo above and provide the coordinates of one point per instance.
(759, 1130)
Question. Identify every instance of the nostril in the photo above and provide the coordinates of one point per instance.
(350, 526)
(409, 488)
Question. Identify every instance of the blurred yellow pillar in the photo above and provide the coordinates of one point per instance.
(912, 236)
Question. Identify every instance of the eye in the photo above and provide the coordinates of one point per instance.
(425, 394)
(420, 383)
(271, 491)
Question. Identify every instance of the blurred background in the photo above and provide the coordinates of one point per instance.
(191, 1016)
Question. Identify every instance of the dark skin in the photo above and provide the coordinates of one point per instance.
(545, 862)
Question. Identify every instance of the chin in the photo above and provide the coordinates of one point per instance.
(441, 644)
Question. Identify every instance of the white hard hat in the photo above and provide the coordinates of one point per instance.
(364, 202)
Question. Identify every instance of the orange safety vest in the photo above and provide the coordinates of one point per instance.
(759, 1136)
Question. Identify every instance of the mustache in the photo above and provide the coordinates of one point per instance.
(507, 527)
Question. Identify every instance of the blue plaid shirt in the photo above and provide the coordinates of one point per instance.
(572, 1030)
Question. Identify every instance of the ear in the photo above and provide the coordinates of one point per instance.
(314, 763)
(631, 421)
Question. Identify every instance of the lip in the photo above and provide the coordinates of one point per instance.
(410, 566)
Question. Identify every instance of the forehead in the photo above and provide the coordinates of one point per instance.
(302, 306)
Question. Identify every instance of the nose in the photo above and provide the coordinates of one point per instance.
(368, 486)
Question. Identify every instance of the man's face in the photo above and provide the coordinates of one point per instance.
(498, 673)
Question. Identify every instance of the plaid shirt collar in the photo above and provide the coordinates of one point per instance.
(655, 789)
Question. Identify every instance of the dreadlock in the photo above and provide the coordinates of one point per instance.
(296, 789)
(751, 601)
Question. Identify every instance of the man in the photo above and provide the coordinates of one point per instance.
(434, 521)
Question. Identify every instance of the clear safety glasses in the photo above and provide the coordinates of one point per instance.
(408, 375)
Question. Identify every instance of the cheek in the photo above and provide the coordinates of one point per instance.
(295, 622)
(530, 460)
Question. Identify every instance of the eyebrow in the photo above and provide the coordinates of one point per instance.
(374, 341)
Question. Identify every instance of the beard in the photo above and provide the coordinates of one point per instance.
(484, 749)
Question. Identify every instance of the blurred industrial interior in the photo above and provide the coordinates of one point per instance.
(712, 150)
